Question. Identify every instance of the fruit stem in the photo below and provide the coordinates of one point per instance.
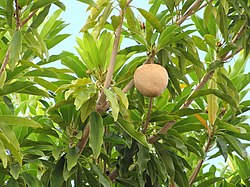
(145, 125)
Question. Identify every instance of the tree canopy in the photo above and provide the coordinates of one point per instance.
(76, 119)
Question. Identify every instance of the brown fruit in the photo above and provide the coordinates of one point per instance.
(151, 79)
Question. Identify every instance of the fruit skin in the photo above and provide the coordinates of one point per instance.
(151, 79)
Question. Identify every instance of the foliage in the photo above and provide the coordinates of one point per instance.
(80, 123)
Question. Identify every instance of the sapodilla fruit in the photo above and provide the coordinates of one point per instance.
(151, 79)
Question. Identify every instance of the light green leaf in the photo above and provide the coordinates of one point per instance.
(40, 4)
(200, 43)
(122, 96)
(18, 121)
(3, 155)
(3, 78)
(96, 133)
(115, 21)
(15, 48)
(210, 40)
(89, 2)
(50, 22)
(129, 128)
(212, 103)
(113, 102)
(151, 19)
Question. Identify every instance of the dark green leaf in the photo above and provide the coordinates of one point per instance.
(40, 17)
(96, 133)
(129, 128)
(40, 4)
(218, 93)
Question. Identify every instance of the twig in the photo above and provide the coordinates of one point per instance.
(28, 18)
(145, 125)
(83, 141)
(5, 62)
(190, 12)
(198, 167)
(17, 15)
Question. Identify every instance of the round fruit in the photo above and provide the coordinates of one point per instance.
(151, 79)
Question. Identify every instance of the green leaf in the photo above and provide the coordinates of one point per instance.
(151, 19)
(113, 102)
(186, 6)
(103, 179)
(212, 102)
(18, 121)
(3, 78)
(10, 142)
(122, 96)
(14, 87)
(129, 128)
(187, 111)
(40, 4)
(40, 17)
(200, 43)
(3, 155)
(56, 176)
(89, 2)
(210, 181)
(143, 158)
(210, 40)
(222, 145)
(166, 158)
(223, 22)
(115, 21)
(236, 145)
(72, 157)
(170, 5)
(216, 92)
(10, 12)
(15, 170)
(50, 22)
(15, 49)
(96, 133)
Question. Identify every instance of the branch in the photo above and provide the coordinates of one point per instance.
(198, 167)
(5, 62)
(17, 15)
(101, 102)
(28, 18)
(145, 125)
(191, 11)
(83, 141)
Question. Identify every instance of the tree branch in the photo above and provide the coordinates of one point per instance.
(5, 62)
(28, 18)
(191, 11)
(101, 102)
(83, 141)
(17, 15)
(145, 125)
